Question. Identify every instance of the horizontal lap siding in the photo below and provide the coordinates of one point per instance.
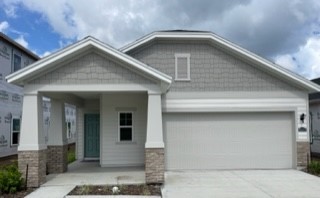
(113, 152)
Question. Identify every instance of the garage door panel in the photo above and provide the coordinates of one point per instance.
(228, 141)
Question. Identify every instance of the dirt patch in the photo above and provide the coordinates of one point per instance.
(20, 194)
(141, 189)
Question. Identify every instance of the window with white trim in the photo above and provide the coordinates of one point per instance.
(182, 67)
(15, 131)
(125, 126)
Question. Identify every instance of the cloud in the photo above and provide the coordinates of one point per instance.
(305, 61)
(4, 25)
(273, 29)
(22, 41)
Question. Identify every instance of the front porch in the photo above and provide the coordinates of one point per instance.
(99, 137)
(100, 80)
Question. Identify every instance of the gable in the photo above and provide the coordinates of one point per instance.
(211, 68)
(217, 41)
(92, 68)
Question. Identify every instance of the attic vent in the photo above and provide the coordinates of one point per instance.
(182, 66)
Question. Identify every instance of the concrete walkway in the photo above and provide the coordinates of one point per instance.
(251, 183)
(89, 173)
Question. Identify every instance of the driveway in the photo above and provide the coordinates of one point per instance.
(241, 183)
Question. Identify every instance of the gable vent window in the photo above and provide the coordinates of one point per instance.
(182, 66)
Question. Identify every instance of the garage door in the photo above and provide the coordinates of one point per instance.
(228, 140)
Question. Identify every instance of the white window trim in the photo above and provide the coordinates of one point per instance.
(11, 139)
(132, 131)
(180, 55)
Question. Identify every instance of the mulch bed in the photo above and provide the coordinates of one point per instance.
(141, 189)
(20, 194)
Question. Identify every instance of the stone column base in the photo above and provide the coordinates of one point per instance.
(36, 162)
(303, 153)
(154, 165)
(57, 159)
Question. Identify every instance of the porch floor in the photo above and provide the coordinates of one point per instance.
(90, 173)
(87, 173)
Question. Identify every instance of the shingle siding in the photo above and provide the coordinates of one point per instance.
(92, 69)
(211, 69)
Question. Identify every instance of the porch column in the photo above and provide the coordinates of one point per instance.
(32, 150)
(57, 139)
(154, 148)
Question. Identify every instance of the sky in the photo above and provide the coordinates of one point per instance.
(286, 32)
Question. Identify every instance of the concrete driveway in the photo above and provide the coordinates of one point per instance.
(242, 183)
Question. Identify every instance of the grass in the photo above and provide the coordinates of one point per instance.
(71, 156)
(314, 167)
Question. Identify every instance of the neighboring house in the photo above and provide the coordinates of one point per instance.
(14, 57)
(314, 115)
(172, 100)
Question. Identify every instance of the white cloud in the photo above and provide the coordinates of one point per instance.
(22, 41)
(306, 61)
(272, 28)
(4, 26)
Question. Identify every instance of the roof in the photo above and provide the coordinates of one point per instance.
(17, 45)
(264, 64)
(79, 47)
(315, 96)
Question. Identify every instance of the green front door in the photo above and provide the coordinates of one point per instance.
(92, 135)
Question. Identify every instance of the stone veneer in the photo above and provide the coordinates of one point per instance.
(36, 161)
(57, 159)
(303, 153)
(154, 162)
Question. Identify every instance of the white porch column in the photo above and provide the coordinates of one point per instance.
(154, 122)
(32, 151)
(57, 138)
(31, 135)
(154, 147)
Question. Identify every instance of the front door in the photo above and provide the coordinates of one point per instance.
(92, 135)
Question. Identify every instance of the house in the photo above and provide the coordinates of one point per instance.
(172, 100)
(14, 57)
(314, 116)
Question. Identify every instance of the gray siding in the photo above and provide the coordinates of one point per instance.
(92, 69)
(211, 69)
(113, 152)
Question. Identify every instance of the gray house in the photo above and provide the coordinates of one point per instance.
(172, 100)
(314, 116)
(14, 57)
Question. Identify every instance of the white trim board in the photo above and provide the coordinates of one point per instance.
(232, 105)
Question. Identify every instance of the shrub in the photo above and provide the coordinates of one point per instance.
(314, 167)
(71, 156)
(10, 179)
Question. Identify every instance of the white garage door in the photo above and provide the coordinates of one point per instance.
(228, 140)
